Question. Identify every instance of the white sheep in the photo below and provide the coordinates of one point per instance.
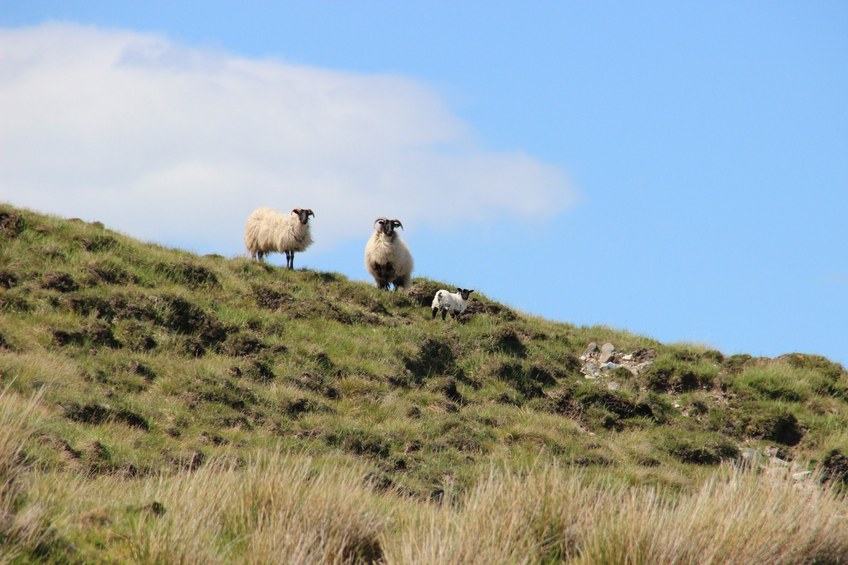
(453, 302)
(387, 257)
(269, 231)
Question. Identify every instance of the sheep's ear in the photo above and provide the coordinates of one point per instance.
(296, 211)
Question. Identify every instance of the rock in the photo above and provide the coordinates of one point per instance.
(778, 462)
(639, 368)
(607, 358)
(751, 455)
(607, 353)
(591, 349)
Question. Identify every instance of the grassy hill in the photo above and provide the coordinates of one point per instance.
(160, 406)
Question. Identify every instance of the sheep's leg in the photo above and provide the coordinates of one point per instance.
(290, 260)
(380, 280)
(388, 274)
(435, 311)
(444, 313)
(401, 282)
(404, 282)
(384, 272)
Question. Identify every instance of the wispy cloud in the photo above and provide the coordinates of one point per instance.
(178, 144)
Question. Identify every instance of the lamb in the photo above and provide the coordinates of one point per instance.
(453, 302)
(387, 257)
(269, 231)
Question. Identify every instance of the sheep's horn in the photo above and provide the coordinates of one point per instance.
(311, 213)
(398, 223)
(378, 220)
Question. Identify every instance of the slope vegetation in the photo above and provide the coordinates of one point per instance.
(138, 378)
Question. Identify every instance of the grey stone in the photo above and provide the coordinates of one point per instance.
(607, 353)
(591, 349)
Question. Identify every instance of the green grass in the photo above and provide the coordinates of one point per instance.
(152, 370)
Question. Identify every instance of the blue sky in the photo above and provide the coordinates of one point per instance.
(677, 170)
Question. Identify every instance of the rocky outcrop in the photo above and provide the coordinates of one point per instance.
(599, 360)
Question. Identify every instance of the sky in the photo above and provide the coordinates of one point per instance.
(678, 170)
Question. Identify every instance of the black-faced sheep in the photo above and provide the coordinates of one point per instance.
(453, 302)
(269, 231)
(387, 257)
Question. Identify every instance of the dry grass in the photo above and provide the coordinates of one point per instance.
(507, 518)
(552, 514)
(735, 517)
(277, 509)
(21, 526)
(289, 508)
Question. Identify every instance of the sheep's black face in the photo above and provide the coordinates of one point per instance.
(465, 293)
(303, 214)
(384, 226)
(387, 227)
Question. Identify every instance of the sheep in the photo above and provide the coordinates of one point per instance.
(453, 302)
(269, 231)
(387, 258)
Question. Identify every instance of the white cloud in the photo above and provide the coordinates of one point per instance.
(177, 144)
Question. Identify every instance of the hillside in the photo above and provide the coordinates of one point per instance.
(127, 364)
